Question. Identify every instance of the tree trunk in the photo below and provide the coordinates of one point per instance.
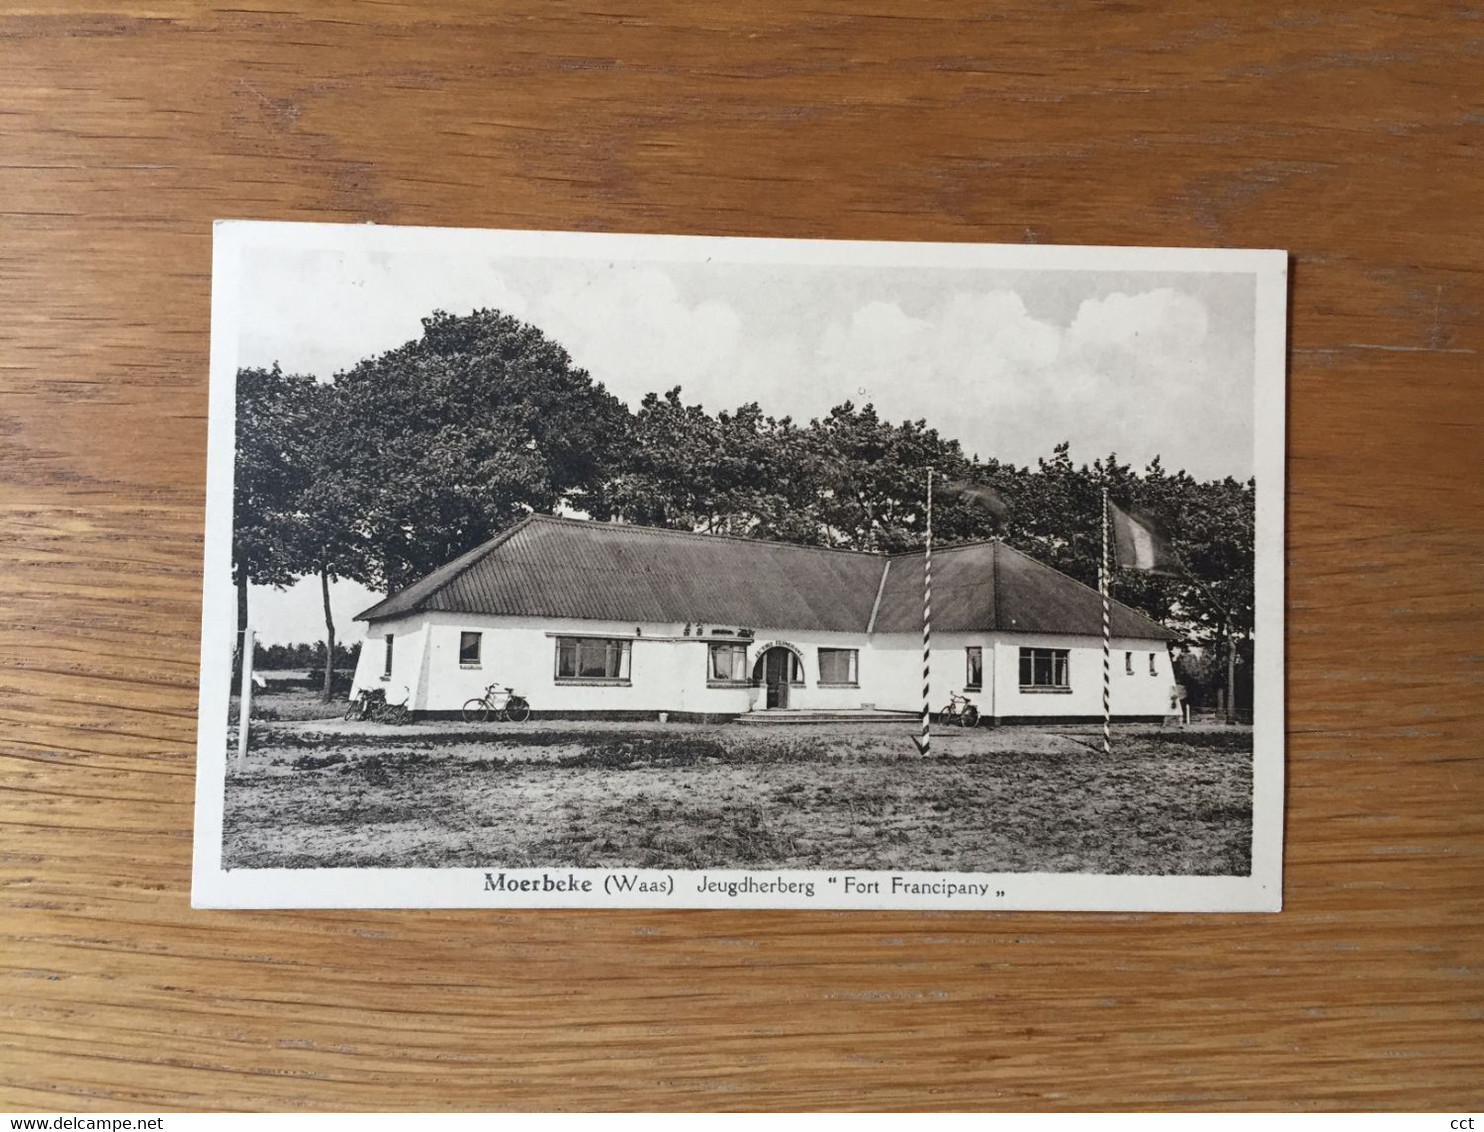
(1231, 675)
(324, 587)
(869, 539)
(241, 622)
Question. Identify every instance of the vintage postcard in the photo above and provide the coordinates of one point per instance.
(561, 569)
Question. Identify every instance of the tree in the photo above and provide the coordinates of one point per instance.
(326, 536)
(669, 476)
(270, 473)
(295, 501)
(851, 479)
(1057, 518)
(456, 434)
(1214, 527)
(872, 478)
(739, 473)
(1210, 525)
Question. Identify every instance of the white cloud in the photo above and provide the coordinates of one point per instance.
(997, 330)
(631, 330)
(1136, 372)
(1162, 319)
(317, 312)
(1127, 375)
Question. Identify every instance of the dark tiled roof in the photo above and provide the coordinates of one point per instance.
(571, 568)
(550, 567)
(989, 586)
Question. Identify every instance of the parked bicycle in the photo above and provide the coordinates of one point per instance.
(498, 702)
(370, 704)
(960, 711)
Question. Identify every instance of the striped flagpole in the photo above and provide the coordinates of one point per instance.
(1103, 587)
(927, 624)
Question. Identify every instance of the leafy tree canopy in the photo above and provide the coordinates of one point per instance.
(272, 470)
(421, 453)
(455, 435)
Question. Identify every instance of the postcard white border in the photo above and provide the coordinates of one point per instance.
(216, 887)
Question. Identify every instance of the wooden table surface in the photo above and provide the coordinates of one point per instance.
(1350, 137)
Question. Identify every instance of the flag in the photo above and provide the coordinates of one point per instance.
(976, 493)
(1141, 544)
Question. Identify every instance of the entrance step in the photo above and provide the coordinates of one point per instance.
(774, 717)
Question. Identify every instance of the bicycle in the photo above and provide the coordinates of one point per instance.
(500, 702)
(959, 711)
(370, 704)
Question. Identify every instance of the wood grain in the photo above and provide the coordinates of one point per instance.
(1350, 136)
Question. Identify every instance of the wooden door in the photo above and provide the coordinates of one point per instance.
(776, 673)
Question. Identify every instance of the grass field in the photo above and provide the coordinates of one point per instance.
(326, 794)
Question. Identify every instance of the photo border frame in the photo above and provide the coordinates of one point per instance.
(214, 886)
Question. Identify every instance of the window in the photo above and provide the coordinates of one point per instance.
(1044, 669)
(727, 664)
(592, 658)
(1128, 664)
(469, 649)
(974, 667)
(1153, 668)
(837, 666)
(386, 671)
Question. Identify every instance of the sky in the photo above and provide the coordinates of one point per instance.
(1008, 362)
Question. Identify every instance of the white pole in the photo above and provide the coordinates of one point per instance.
(1103, 587)
(244, 701)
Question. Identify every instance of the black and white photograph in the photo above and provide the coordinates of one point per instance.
(670, 571)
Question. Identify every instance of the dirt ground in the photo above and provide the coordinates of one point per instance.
(322, 794)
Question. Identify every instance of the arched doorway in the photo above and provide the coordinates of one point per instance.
(778, 669)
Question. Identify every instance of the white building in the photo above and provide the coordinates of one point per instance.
(602, 619)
